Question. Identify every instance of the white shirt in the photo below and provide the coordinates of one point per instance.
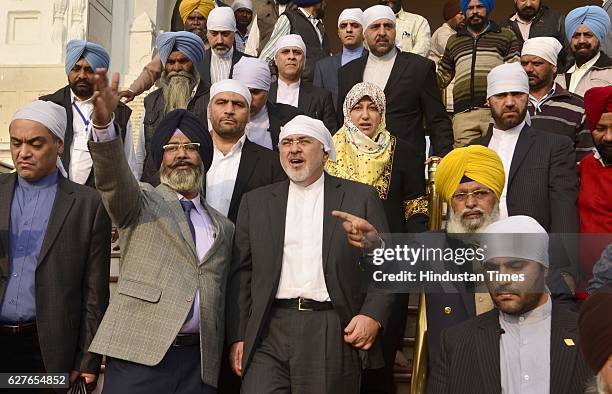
(288, 94)
(80, 159)
(537, 104)
(503, 143)
(258, 129)
(220, 67)
(378, 69)
(524, 26)
(302, 268)
(579, 72)
(221, 177)
(524, 351)
(253, 42)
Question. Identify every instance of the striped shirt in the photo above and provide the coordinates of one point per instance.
(562, 112)
(469, 59)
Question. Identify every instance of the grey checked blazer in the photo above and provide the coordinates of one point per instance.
(160, 271)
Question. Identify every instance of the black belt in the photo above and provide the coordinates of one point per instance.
(303, 304)
(18, 329)
(186, 340)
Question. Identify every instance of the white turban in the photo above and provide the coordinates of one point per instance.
(221, 19)
(314, 128)
(506, 78)
(351, 14)
(253, 73)
(230, 85)
(238, 4)
(290, 40)
(517, 237)
(50, 115)
(377, 12)
(547, 48)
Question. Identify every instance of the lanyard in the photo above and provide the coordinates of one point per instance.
(86, 121)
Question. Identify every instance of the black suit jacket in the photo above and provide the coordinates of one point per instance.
(278, 115)
(258, 255)
(326, 75)
(258, 167)
(313, 101)
(469, 360)
(412, 94)
(71, 276)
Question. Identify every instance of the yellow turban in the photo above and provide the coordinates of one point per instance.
(476, 162)
(188, 6)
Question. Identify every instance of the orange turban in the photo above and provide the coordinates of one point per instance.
(188, 6)
(476, 162)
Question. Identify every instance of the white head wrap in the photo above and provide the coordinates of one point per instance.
(507, 77)
(518, 237)
(253, 73)
(230, 85)
(238, 4)
(351, 14)
(221, 19)
(547, 48)
(50, 115)
(314, 128)
(375, 13)
(290, 40)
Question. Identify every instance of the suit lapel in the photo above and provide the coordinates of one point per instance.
(396, 72)
(562, 356)
(246, 167)
(179, 216)
(6, 196)
(305, 97)
(64, 200)
(206, 66)
(332, 200)
(272, 94)
(277, 212)
(487, 348)
(525, 140)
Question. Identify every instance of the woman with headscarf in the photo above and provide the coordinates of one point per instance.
(366, 152)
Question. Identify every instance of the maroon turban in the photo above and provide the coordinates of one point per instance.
(595, 328)
(597, 101)
(451, 8)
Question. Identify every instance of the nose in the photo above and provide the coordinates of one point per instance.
(528, 68)
(471, 201)
(24, 152)
(608, 135)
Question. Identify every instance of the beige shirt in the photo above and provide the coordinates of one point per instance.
(412, 33)
(524, 27)
(438, 46)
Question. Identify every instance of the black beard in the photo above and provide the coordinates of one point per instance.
(605, 152)
(581, 59)
(81, 92)
(283, 2)
(477, 27)
(527, 13)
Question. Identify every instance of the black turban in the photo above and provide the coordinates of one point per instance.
(188, 124)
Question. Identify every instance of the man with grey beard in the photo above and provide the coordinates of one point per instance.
(180, 88)
(164, 330)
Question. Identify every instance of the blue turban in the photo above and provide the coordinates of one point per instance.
(188, 124)
(488, 4)
(188, 43)
(94, 54)
(593, 16)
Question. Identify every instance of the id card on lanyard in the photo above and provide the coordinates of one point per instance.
(80, 139)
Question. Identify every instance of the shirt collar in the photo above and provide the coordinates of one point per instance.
(535, 315)
(74, 98)
(550, 93)
(315, 186)
(384, 58)
(517, 18)
(197, 202)
(294, 85)
(586, 65)
(307, 15)
(237, 147)
(42, 183)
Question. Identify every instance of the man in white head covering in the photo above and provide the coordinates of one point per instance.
(266, 117)
(350, 32)
(239, 165)
(292, 89)
(411, 90)
(303, 287)
(51, 228)
(243, 11)
(551, 107)
(548, 194)
(527, 340)
(218, 60)
(306, 21)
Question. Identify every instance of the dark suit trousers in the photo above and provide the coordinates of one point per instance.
(178, 372)
(22, 354)
(303, 352)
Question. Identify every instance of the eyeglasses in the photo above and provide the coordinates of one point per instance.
(302, 142)
(189, 147)
(479, 194)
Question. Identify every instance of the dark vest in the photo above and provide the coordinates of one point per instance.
(154, 113)
(315, 51)
(62, 97)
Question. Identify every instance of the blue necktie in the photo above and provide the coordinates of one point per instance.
(187, 207)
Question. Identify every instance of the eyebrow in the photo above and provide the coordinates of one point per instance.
(30, 141)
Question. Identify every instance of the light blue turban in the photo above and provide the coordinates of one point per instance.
(593, 16)
(188, 43)
(94, 54)
(488, 4)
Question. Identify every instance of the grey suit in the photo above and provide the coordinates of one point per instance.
(257, 264)
(160, 271)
